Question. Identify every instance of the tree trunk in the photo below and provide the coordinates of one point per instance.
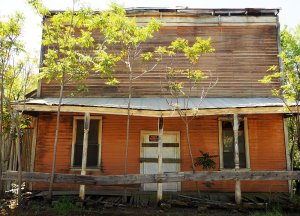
(18, 148)
(187, 131)
(127, 133)
(55, 142)
(1, 135)
(127, 136)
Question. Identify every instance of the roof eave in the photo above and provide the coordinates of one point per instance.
(153, 113)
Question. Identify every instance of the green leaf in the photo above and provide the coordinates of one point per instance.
(147, 56)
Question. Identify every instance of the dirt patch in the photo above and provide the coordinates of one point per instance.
(142, 204)
(71, 206)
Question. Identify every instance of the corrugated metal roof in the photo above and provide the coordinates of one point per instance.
(200, 11)
(162, 104)
(211, 11)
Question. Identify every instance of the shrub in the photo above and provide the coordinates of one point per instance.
(64, 206)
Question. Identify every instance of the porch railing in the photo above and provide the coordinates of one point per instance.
(153, 178)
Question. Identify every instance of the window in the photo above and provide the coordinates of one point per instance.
(94, 142)
(226, 140)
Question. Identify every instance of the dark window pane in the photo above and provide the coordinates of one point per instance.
(93, 147)
(228, 158)
(228, 140)
(242, 160)
(228, 145)
(92, 155)
(77, 155)
(79, 132)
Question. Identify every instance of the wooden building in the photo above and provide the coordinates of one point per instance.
(246, 43)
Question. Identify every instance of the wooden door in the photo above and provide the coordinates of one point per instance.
(171, 157)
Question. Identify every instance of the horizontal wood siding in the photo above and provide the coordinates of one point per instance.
(243, 55)
(265, 137)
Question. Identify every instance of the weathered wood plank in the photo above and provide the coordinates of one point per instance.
(153, 178)
(152, 113)
(242, 56)
(164, 144)
(164, 160)
(67, 193)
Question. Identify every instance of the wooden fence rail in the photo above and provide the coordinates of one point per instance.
(153, 178)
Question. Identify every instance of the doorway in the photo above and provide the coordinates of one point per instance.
(171, 157)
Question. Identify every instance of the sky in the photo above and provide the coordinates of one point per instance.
(289, 14)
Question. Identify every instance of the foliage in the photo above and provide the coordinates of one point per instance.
(296, 199)
(19, 79)
(16, 79)
(289, 90)
(274, 212)
(290, 74)
(193, 52)
(205, 161)
(182, 82)
(65, 59)
(67, 41)
(16, 67)
(121, 43)
(64, 206)
(10, 44)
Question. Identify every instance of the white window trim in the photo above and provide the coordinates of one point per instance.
(75, 118)
(247, 152)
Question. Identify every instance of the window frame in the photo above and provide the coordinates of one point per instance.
(75, 118)
(246, 136)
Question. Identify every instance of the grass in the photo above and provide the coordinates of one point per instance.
(273, 212)
(64, 206)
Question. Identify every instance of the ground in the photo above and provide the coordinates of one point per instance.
(70, 205)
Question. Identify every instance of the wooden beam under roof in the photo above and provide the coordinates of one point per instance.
(152, 113)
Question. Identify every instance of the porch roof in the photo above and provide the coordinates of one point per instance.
(156, 106)
(162, 104)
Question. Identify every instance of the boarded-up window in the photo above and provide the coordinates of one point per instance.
(228, 145)
(93, 143)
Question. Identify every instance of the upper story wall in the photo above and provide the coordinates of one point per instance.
(245, 43)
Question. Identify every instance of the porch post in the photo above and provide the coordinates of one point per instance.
(238, 196)
(33, 147)
(84, 152)
(159, 155)
(287, 153)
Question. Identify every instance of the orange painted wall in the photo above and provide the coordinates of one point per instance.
(266, 138)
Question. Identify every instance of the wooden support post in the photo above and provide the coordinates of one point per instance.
(238, 196)
(33, 146)
(287, 153)
(159, 155)
(84, 152)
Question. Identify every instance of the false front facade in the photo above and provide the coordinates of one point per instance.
(246, 45)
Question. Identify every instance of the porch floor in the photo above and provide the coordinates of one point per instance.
(183, 199)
